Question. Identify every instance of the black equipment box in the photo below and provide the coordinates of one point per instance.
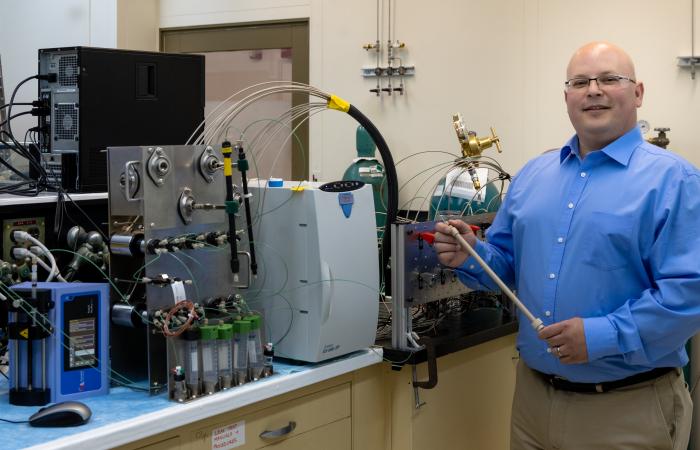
(106, 97)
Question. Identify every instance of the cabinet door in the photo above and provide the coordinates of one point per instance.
(469, 409)
(334, 436)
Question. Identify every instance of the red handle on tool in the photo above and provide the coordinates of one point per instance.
(429, 236)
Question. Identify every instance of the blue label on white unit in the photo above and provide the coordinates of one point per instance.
(346, 200)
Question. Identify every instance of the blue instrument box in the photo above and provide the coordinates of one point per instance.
(61, 354)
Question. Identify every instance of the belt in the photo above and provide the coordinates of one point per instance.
(563, 384)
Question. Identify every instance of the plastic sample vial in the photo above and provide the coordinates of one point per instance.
(241, 329)
(255, 351)
(179, 393)
(224, 344)
(210, 358)
(191, 338)
(268, 355)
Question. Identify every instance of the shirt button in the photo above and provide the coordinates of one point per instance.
(548, 313)
(583, 174)
(552, 276)
(471, 266)
(570, 205)
(560, 240)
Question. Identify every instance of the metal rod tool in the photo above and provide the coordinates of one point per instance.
(534, 321)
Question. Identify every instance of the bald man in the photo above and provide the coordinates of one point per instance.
(601, 239)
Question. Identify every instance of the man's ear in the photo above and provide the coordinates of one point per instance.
(639, 93)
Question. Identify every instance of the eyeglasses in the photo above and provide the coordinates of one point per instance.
(610, 81)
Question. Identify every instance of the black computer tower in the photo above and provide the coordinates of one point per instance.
(106, 97)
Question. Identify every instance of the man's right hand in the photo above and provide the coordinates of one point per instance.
(449, 252)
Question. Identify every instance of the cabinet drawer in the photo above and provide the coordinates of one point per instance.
(336, 436)
(168, 444)
(308, 413)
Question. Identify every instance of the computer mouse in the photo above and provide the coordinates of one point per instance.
(64, 414)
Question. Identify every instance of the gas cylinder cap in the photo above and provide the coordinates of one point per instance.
(364, 143)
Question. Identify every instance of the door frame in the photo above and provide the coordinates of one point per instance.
(292, 34)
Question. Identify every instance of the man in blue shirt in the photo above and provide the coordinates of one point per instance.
(601, 240)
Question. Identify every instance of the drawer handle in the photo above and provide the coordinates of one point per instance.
(271, 434)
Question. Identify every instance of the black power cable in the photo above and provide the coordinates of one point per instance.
(7, 121)
(12, 100)
(14, 104)
(28, 187)
(14, 421)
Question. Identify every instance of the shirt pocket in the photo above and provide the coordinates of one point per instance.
(609, 243)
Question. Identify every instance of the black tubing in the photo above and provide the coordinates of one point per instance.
(392, 183)
(248, 217)
(235, 263)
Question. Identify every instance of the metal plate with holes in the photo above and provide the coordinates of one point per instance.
(185, 205)
(209, 164)
(424, 278)
(154, 211)
(417, 278)
(158, 165)
(130, 186)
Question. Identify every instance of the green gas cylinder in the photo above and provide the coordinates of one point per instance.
(366, 168)
(455, 195)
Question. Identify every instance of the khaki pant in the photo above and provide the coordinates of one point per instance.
(654, 414)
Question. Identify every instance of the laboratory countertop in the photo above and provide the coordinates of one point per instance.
(126, 415)
(457, 333)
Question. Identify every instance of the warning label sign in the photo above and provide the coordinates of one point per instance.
(230, 436)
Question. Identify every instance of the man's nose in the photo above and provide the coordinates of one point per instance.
(593, 87)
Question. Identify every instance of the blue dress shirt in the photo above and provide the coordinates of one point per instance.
(614, 239)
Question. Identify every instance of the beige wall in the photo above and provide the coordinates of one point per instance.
(27, 26)
(499, 62)
(137, 24)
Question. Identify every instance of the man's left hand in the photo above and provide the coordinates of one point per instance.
(566, 340)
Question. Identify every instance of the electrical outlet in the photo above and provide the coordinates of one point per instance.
(32, 225)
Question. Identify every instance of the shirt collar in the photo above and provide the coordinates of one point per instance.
(619, 150)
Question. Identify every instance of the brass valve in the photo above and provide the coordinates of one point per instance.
(471, 144)
(661, 140)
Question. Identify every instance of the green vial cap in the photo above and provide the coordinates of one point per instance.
(208, 332)
(225, 331)
(364, 143)
(255, 321)
(241, 326)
